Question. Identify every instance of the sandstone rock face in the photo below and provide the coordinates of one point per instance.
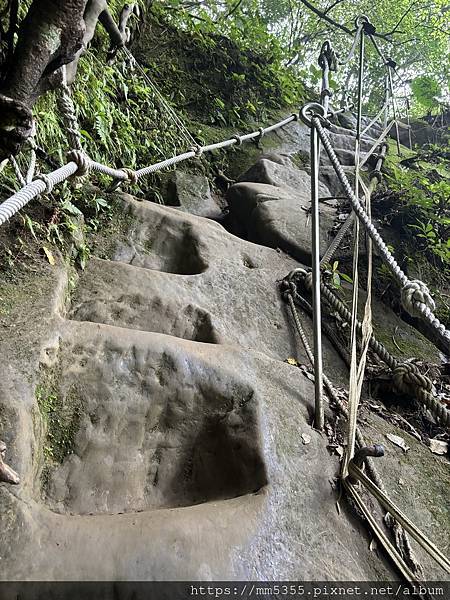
(188, 423)
(272, 203)
(177, 453)
(191, 193)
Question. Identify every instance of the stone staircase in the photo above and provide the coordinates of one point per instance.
(188, 460)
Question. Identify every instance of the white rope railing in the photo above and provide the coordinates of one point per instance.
(415, 297)
(81, 163)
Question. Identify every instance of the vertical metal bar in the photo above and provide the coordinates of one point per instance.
(394, 108)
(326, 86)
(317, 319)
(408, 122)
(353, 399)
(386, 100)
(360, 93)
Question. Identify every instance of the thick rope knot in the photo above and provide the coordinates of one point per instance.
(408, 379)
(82, 161)
(328, 57)
(261, 132)
(132, 175)
(48, 183)
(197, 150)
(238, 139)
(416, 292)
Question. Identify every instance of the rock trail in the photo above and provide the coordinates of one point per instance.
(187, 458)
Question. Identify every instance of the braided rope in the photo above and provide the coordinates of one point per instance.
(421, 304)
(406, 377)
(326, 258)
(80, 164)
(47, 181)
(82, 160)
(17, 170)
(17, 201)
(400, 536)
(67, 107)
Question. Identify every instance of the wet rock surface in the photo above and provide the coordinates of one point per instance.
(181, 453)
(191, 193)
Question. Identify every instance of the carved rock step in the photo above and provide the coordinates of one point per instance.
(233, 300)
(271, 206)
(145, 402)
(192, 194)
(165, 423)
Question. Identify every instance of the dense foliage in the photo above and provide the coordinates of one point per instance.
(420, 187)
(414, 33)
(228, 63)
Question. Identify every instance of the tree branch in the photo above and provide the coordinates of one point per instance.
(231, 11)
(407, 11)
(51, 33)
(330, 8)
(322, 15)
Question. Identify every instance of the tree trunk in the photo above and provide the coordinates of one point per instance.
(50, 36)
(53, 34)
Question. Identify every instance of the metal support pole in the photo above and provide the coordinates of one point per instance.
(359, 107)
(394, 108)
(319, 418)
(386, 101)
(408, 122)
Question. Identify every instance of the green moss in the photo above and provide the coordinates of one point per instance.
(61, 416)
(19, 287)
(113, 228)
(411, 347)
(300, 159)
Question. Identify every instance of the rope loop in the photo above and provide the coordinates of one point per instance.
(326, 93)
(302, 274)
(313, 109)
(198, 150)
(132, 175)
(415, 293)
(48, 183)
(238, 139)
(261, 132)
(82, 161)
(328, 57)
(361, 20)
(295, 116)
(287, 289)
(367, 26)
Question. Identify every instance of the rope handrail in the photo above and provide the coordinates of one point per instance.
(416, 297)
(31, 190)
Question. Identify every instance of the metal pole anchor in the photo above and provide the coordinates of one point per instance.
(308, 113)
